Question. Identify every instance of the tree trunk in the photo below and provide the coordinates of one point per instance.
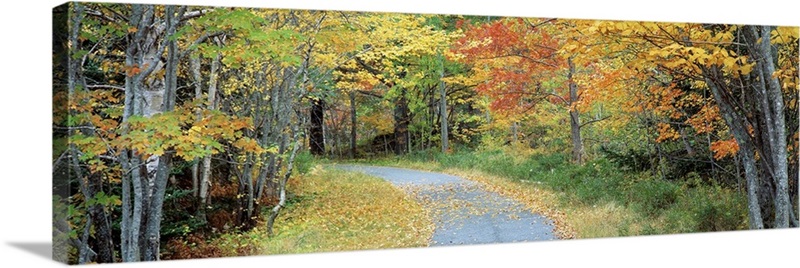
(317, 135)
(205, 182)
(153, 228)
(401, 121)
(282, 185)
(100, 219)
(751, 176)
(769, 116)
(776, 124)
(514, 132)
(746, 150)
(194, 64)
(89, 184)
(443, 106)
(574, 122)
(353, 124)
(246, 205)
(145, 95)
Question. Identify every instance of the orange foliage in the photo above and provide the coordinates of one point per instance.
(666, 132)
(724, 148)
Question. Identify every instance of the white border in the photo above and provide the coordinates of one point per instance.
(25, 176)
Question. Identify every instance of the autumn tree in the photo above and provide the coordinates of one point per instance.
(737, 65)
(387, 62)
(520, 63)
(125, 126)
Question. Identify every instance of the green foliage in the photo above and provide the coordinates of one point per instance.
(709, 208)
(652, 196)
(178, 219)
(303, 162)
(107, 201)
(630, 159)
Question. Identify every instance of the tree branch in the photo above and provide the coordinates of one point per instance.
(106, 86)
(194, 14)
(99, 14)
(557, 96)
(199, 40)
(369, 93)
(594, 121)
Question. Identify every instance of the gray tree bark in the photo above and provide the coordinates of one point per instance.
(443, 107)
(574, 116)
(88, 183)
(353, 124)
(746, 150)
(153, 227)
(144, 182)
(776, 123)
(401, 122)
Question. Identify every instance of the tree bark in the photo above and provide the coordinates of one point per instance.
(153, 228)
(770, 114)
(574, 116)
(443, 107)
(130, 162)
(282, 186)
(317, 135)
(194, 64)
(145, 95)
(353, 124)
(205, 182)
(746, 150)
(100, 219)
(89, 184)
(776, 126)
(401, 121)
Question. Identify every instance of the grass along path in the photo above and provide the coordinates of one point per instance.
(571, 219)
(591, 201)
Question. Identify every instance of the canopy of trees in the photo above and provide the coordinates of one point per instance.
(176, 120)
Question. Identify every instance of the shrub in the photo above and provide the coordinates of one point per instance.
(716, 209)
(303, 161)
(653, 196)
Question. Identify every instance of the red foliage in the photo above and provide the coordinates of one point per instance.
(528, 55)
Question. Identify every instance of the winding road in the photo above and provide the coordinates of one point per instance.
(463, 212)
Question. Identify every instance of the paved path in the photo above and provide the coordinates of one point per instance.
(462, 211)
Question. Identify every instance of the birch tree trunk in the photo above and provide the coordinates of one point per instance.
(153, 228)
(194, 63)
(205, 182)
(145, 95)
(282, 185)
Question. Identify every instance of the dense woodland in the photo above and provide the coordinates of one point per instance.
(177, 123)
